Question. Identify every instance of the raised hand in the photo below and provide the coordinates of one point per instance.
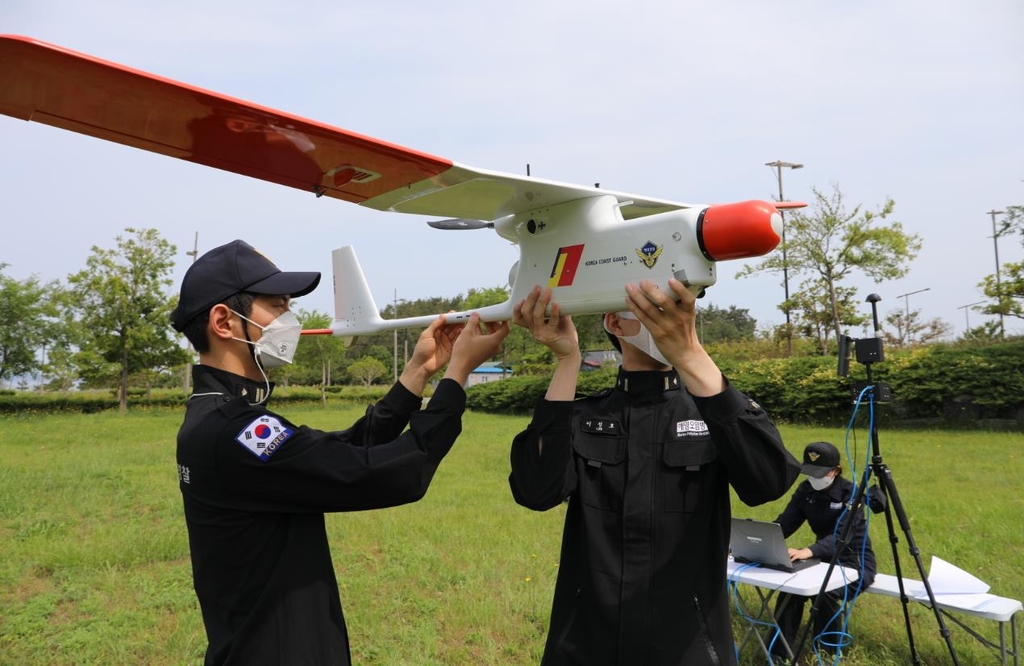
(551, 329)
(477, 342)
(433, 350)
(670, 317)
(671, 320)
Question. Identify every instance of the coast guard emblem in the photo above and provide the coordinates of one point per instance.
(649, 253)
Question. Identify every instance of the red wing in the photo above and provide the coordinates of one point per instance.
(49, 84)
(52, 85)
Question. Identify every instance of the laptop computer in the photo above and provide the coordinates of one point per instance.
(760, 542)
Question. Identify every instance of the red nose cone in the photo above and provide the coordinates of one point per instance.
(740, 230)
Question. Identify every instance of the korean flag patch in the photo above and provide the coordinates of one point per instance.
(264, 436)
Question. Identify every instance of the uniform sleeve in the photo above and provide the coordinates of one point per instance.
(760, 468)
(542, 471)
(385, 420)
(792, 517)
(348, 470)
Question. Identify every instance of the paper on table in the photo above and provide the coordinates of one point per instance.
(948, 579)
(952, 585)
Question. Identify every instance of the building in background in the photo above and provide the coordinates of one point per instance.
(489, 372)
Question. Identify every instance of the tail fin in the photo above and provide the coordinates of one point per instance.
(354, 309)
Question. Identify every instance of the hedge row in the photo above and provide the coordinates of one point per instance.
(86, 402)
(933, 386)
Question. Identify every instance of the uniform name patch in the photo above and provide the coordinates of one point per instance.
(600, 427)
(691, 428)
(264, 436)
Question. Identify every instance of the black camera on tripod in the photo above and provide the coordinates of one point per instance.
(867, 351)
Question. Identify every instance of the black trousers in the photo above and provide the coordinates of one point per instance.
(789, 613)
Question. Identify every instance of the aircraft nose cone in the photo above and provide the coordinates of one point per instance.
(740, 230)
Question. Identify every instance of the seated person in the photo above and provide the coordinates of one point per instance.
(822, 501)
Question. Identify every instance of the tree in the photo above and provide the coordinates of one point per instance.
(513, 348)
(59, 370)
(831, 243)
(903, 331)
(123, 311)
(815, 312)
(318, 355)
(986, 333)
(382, 345)
(30, 323)
(716, 324)
(367, 370)
(1008, 291)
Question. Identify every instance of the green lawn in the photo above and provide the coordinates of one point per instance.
(94, 564)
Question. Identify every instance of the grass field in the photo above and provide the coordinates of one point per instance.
(94, 565)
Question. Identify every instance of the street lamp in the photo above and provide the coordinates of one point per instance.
(999, 286)
(778, 165)
(967, 318)
(906, 299)
(394, 315)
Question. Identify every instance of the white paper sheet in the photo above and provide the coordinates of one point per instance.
(948, 579)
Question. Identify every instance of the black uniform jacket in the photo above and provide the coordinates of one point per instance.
(647, 470)
(255, 488)
(823, 509)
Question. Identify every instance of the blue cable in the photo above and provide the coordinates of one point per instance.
(842, 638)
(734, 591)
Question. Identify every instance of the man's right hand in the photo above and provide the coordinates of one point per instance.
(554, 331)
(477, 342)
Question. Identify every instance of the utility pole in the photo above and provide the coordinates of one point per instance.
(394, 315)
(42, 362)
(186, 381)
(778, 165)
(999, 286)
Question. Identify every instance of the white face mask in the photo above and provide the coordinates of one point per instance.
(276, 347)
(642, 340)
(822, 483)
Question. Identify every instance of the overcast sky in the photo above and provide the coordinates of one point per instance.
(921, 101)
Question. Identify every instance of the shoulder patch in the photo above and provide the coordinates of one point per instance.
(264, 436)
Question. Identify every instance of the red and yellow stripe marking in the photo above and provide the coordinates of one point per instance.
(564, 270)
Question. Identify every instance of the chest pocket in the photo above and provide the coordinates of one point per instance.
(601, 469)
(687, 482)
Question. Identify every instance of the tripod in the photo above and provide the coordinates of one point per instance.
(868, 352)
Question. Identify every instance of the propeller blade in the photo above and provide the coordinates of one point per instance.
(459, 224)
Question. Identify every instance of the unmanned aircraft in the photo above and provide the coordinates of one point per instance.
(586, 243)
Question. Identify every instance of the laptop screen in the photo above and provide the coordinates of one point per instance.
(761, 542)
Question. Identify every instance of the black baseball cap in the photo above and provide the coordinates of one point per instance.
(819, 459)
(226, 270)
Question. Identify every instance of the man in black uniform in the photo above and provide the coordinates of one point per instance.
(255, 485)
(646, 467)
(823, 501)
